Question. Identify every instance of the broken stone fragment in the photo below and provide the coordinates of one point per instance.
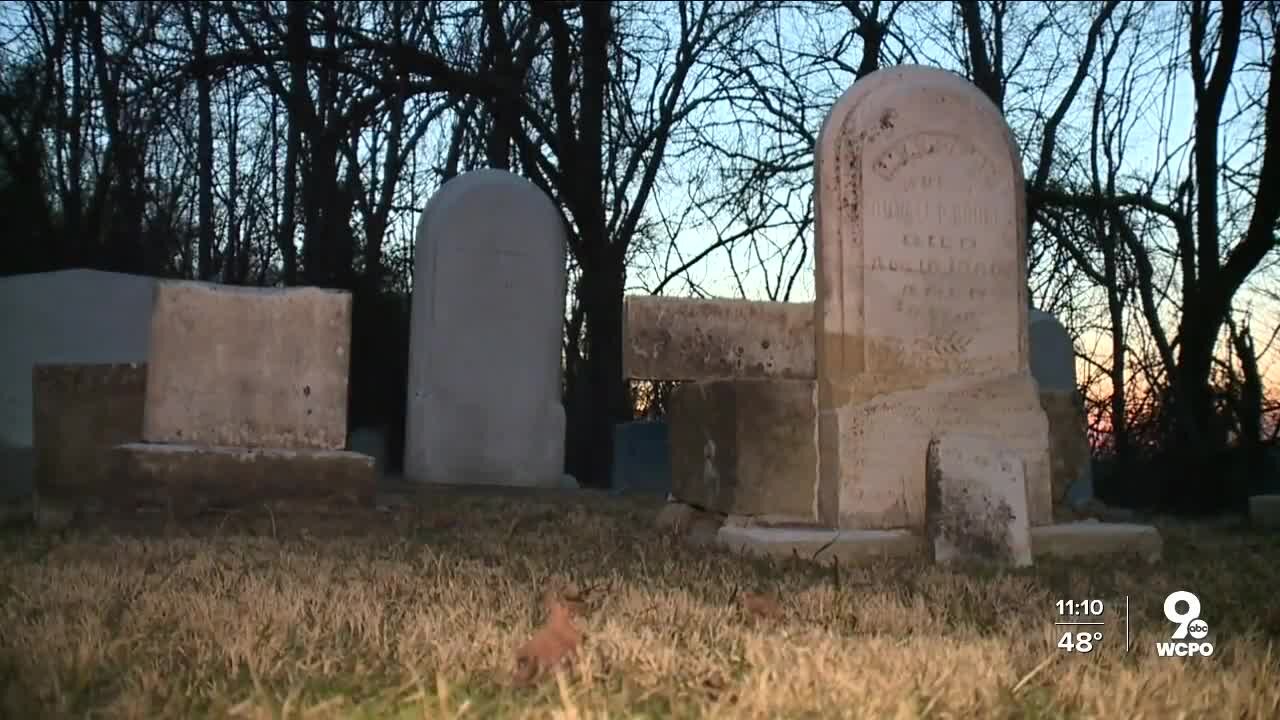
(976, 504)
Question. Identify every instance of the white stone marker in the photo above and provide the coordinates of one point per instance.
(484, 397)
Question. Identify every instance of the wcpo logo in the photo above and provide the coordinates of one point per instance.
(1189, 625)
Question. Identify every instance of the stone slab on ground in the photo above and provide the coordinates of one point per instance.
(1070, 540)
(822, 545)
(68, 316)
(192, 478)
(81, 412)
(1264, 510)
(1083, 539)
(977, 501)
(248, 367)
(567, 491)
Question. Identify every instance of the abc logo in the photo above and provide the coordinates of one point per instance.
(1198, 629)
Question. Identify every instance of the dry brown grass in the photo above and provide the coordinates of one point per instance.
(420, 614)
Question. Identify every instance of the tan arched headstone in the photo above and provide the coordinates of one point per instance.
(921, 309)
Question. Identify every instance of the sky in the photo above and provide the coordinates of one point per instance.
(1172, 107)
(715, 275)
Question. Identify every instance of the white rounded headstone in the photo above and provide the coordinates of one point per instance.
(484, 396)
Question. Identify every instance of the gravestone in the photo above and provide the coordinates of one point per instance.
(919, 331)
(921, 310)
(977, 507)
(242, 400)
(1053, 355)
(78, 316)
(248, 367)
(484, 395)
(1053, 363)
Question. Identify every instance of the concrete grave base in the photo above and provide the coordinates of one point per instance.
(873, 475)
(80, 413)
(1067, 540)
(1083, 539)
(1264, 510)
(821, 545)
(189, 479)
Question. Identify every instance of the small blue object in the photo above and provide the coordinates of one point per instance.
(641, 458)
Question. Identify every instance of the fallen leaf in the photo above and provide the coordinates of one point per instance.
(553, 643)
(763, 605)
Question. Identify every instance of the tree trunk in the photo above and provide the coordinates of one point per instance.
(599, 394)
(289, 221)
(1250, 404)
(1197, 436)
(204, 160)
(1115, 307)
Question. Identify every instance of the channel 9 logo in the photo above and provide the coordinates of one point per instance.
(1188, 624)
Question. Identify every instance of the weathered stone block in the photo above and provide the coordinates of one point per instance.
(976, 501)
(1069, 455)
(80, 413)
(745, 447)
(191, 478)
(715, 339)
(248, 367)
(878, 465)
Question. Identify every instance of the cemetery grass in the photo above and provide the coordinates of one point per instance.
(418, 613)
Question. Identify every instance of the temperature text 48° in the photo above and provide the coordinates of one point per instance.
(1082, 642)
